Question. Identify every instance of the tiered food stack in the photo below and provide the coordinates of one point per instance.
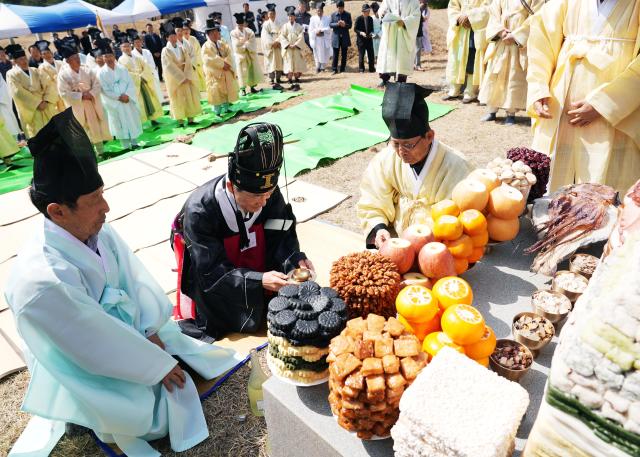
(371, 363)
(540, 165)
(302, 319)
(455, 408)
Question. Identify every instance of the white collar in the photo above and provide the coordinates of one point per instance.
(418, 179)
(224, 199)
(91, 245)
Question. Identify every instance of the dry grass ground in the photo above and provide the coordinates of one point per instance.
(461, 129)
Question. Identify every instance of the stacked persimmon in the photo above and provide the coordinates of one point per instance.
(444, 316)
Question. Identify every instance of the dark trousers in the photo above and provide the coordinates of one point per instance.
(399, 77)
(367, 47)
(158, 62)
(343, 58)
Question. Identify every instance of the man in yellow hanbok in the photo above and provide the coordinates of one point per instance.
(292, 43)
(222, 86)
(181, 82)
(142, 76)
(412, 173)
(271, 48)
(243, 43)
(49, 69)
(34, 101)
(504, 84)
(584, 81)
(466, 43)
(195, 54)
(8, 144)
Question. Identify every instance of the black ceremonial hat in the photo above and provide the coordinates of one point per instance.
(240, 18)
(64, 163)
(215, 15)
(374, 6)
(270, 6)
(96, 52)
(405, 111)
(254, 165)
(168, 28)
(178, 22)
(211, 25)
(366, 7)
(15, 51)
(291, 10)
(67, 51)
(42, 45)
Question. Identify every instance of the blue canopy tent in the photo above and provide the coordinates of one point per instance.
(134, 10)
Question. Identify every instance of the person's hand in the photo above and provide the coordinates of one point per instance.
(541, 107)
(87, 96)
(306, 263)
(401, 23)
(226, 67)
(155, 339)
(509, 39)
(42, 106)
(583, 114)
(467, 23)
(382, 235)
(363, 34)
(124, 98)
(462, 19)
(274, 280)
(504, 34)
(175, 376)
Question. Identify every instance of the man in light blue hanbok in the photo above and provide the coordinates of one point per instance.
(97, 327)
(120, 100)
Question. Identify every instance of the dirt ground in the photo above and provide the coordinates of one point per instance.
(460, 129)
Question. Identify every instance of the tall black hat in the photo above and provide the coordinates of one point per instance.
(211, 25)
(93, 32)
(240, 18)
(15, 51)
(105, 47)
(178, 22)
(64, 164)
(291, 10)
(67, 51)
(270, 6)
(405, 111)
(96, 52)
(42, 45)
(168, 28)
(215, 15)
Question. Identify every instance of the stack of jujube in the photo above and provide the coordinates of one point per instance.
(371, 363)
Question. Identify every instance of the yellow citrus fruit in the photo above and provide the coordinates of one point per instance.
(452, 290)
(460, 248)
(473, 222)
(447, 228)
(480, 240)
(435, 341)
(416, 304)
(484, 361)
(484, 347)
(444, 207)
(463, 324)
(422, 330)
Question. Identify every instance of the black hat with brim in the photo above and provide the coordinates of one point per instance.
(366, 7)
(405, 111)
(211, 25)
(240, 18)
(96, 52)
(67, 51)
(215, 15)
(15, 51)
(270, 7)
(168, 28)
(64, 163)
(291, 10)
(42, 45)
(178, 22)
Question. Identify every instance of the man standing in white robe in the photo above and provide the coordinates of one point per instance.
(139, 51)
(98, 330)
(291, 43)
(400, 22)
(120, 100)
(6, 110)
(320, 38)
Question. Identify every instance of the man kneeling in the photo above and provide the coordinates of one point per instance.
(239, 237)
(412, 173)
(97, 326)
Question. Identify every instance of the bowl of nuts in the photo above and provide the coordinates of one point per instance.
(553, 306)
(583, 264)
(511, 359)
(569, 284)
(532, 330)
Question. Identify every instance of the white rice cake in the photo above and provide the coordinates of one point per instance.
(459, 408)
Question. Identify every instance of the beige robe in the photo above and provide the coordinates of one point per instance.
(458, 39)
(28, 91)
(184, 99)
(292, 35)
(504, 84)
(195, 52)
(8, 144)
(243, 43)
(49, 75)
(222, 86)
(393, 195)
(272, 56)
(577, 53)
(89, 113)
(142, 76)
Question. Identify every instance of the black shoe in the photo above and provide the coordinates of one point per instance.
(277, 86)
(489, 117)
(254, 91)
(334, 72)
(244, 93)
(342, 70)
(382, 84)
(510, 120)
(372, 70)
(450, 97)
(361, 70)
(296, 87)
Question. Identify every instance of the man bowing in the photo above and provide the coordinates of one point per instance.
(97, 326)
(412, 173)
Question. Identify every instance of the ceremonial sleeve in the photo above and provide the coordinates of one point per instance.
(66, 89)
(211, 60)
(454, 10)
(107, 89)
(479, 16)
(64, 322)
(543, 47)
(313, 28)
(169, 69)
(23, 96)
(521, 33)
(250, 44)
(49, 86)
(411, 19)
(267, 39)
(299, 42)
(495, 26)
(376, 205)
(284, 36)
(95, 84)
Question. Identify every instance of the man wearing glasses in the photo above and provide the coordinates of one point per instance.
(412, 173)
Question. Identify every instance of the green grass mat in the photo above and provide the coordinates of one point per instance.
(18, 175)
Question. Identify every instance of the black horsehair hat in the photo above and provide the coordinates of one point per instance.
(270, 7)
(211, 25)
(291, 10)
(15, 51)
(42, 45)
(366, 7)
(240, 18)
(64, 163)
(168, 28)
(405, 111)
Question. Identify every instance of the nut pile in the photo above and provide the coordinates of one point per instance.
(512, 356)
(535, 328)
(540, 165)
(571, 282)
(584, 263)
(371, 363)
(516, 174)
(551, 303)
(368, 283)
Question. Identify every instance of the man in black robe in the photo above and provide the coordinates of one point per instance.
(303, 18)
(340, 24)
(238, 239)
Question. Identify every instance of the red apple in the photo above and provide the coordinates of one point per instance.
(415, 279)
(418, 235)
(400, 252)
(436, 261)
